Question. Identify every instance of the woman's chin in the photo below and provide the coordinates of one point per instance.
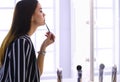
(42, 24)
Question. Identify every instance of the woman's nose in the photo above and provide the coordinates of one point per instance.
(43, 14)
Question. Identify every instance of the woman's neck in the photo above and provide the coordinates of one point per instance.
(32, 30)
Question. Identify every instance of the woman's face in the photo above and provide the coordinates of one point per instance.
(38, 18)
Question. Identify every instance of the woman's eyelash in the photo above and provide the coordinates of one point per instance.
(41, 11)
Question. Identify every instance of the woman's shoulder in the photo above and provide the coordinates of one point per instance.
(26, 37)
(23, 39)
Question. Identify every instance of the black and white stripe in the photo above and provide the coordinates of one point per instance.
(20, 62)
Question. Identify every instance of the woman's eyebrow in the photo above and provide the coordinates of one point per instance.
(40, 8)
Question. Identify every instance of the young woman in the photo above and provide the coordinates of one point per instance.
(17, 53)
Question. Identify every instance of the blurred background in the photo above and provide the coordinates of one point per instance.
(70, 21)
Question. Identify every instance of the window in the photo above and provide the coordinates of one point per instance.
(106, 36)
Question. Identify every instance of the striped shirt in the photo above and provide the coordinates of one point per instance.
(20, 64)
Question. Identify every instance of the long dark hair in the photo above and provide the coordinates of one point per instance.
(23, 12)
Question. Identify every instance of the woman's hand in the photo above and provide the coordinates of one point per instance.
(49, 40)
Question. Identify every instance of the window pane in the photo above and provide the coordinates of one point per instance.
(6, 3)
(105, 56)
(46, 3)
(104, 18)
(95, 39)
(105, 38)
(49, 64)
(104, 3)
(6, 18)
(2, 35)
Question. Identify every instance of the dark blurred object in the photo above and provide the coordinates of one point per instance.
(101, 68)
(79, 69)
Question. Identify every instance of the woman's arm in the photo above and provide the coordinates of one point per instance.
(40, 63)
(49, 40)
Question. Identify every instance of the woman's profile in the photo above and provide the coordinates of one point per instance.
(17, 53)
